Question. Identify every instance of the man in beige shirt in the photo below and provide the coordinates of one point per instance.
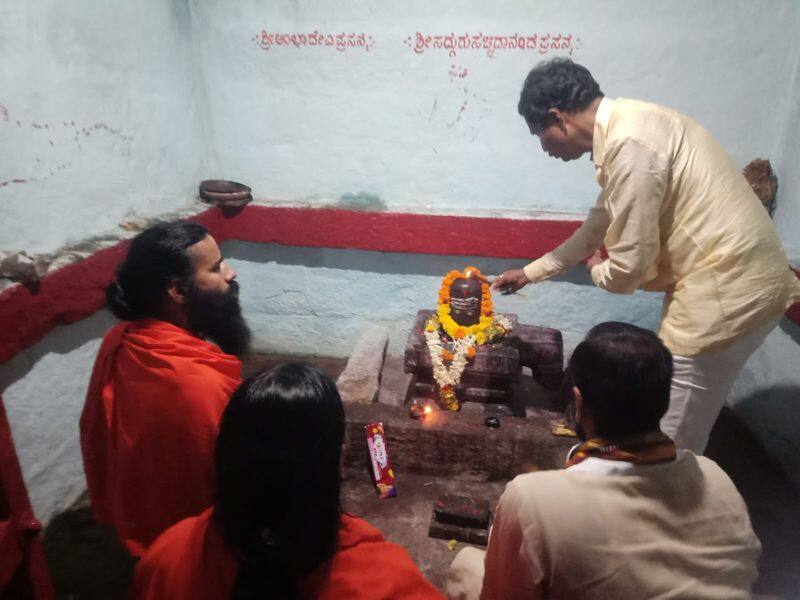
(631, 516)
(675, 215)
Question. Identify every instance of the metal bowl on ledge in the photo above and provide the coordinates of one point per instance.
(228, 194)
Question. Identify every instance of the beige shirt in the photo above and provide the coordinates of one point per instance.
(605, 529)
(677, 216)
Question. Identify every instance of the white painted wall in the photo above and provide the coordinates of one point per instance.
(98, 117)
(311, 122)
(787, 213)
(44, 388)
(318, 301)
(123, 107)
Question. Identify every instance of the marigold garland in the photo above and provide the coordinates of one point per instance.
(465, 339)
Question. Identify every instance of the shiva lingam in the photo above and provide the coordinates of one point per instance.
(464, 352)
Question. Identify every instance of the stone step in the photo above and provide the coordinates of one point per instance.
(457, 445)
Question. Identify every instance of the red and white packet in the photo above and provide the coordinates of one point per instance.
(379, 455)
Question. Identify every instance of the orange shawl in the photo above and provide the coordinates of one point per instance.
(149, 426)
(190, 562)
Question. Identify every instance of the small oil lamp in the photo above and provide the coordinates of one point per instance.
(415, 411)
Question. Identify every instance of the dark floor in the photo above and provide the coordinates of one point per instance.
(87, 563)
(405, 518)
(773, 502)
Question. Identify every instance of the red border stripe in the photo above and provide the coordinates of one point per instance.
(65, 296)
(398, 232)
(77, 290)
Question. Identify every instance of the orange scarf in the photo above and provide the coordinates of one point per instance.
(650, 448)
(149, 426)
(191, 562)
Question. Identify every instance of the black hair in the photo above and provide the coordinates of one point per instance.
(157, 256)
(278, 476)
(623, 373)
(556, 83)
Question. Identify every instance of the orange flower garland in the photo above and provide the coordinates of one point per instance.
(464, 339)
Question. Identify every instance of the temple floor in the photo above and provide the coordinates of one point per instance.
(87, 562)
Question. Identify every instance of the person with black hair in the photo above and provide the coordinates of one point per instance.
(158, 386)
(675, 215)
(631, 516)
(276, 529)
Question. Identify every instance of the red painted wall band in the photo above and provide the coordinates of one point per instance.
(21, 547)
(65, 296)
(77, 291)
(398, 232)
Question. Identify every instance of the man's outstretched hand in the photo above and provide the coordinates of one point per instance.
(510, 281)
(594, 259)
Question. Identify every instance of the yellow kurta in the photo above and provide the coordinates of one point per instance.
(676, 215)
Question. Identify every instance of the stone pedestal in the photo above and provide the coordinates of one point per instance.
(490, 375)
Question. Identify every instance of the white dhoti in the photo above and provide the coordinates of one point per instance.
(701, 385)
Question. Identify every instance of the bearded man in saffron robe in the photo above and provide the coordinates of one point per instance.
(159, 384)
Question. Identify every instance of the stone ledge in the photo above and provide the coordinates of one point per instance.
(18, 266)
(457, 444)
(360, 380)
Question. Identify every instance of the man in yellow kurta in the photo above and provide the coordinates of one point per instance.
(676, 215)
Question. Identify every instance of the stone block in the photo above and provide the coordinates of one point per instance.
(498, 361)
(395, 382)
(479, 536)
(533, 412)
(474, 408)
(499, 410)
(525, 392)
(360, 380)
(466, 511)
(456, 445)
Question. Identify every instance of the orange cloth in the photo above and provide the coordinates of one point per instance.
(149, 427)
(190, 562)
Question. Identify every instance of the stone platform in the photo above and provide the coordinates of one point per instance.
(457, 445)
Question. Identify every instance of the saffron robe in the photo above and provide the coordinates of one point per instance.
(190, 562)
(149, 427)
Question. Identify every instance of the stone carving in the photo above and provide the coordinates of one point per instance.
(764, 182)
(19, 267)
(494, 364)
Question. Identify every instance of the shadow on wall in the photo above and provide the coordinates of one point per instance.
(791, 329)
(772, 501)
(771, 415)
(361, 201)
(62, 340)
